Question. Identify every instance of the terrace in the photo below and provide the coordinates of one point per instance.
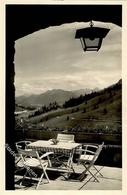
(112, 180)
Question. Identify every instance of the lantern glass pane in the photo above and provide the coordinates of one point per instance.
(92, 43)
(91, 49)
(82, 42)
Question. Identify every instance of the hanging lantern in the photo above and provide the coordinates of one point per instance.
(91, 37)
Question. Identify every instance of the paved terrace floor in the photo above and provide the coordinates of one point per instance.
(111, 180)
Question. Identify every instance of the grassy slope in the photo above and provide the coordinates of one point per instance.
(93, 118)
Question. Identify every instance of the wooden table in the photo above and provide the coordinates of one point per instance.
(64, 148)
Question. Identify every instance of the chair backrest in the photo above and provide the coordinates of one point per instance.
(22, 144)
(98, 151)
(91, 150)
(65, 137)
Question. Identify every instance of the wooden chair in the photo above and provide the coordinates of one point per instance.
(31, 161)
(88, 156)
(65, 138)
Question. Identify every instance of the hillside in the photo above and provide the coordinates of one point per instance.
(55, 95)
(102, 112)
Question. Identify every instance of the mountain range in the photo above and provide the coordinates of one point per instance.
(55, 95)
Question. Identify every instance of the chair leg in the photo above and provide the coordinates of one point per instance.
(82, 175)
(72, 168)
(98, 171)
(39, 181)
(87, 168)
(49, 161)
(46, 175)
(23, 178)
(93, 175)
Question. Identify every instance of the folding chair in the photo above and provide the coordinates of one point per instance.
(65, 138)
(31, 161)
(88, 158)
(18, 160)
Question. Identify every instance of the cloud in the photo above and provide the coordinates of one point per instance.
(53, 58)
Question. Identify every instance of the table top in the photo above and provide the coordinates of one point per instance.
(49, 146)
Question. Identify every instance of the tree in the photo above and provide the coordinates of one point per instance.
(84, 110)
(77, 109)
(95, 106)
(68, 118)
(105, 111)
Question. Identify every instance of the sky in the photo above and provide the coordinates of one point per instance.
(52, 58)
